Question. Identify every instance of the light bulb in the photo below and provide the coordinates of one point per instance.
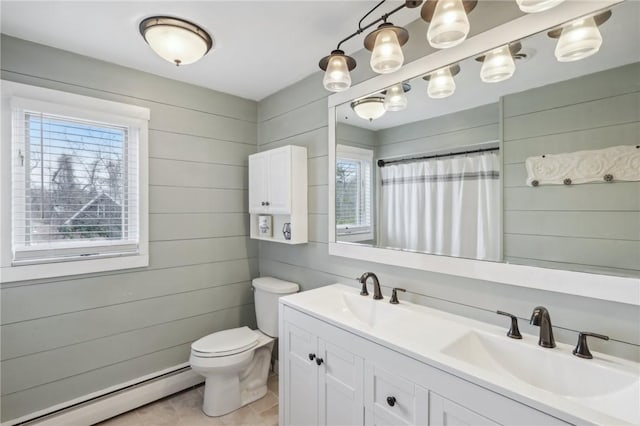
(395, 99)
(441, 84)
(386, 56)
(535, 6)
(578, 40)
(498, 65)
(449, 25)
(337, 77)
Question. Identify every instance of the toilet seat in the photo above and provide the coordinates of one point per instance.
(225, 343)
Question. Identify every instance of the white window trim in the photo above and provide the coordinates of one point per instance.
(99, 110)
(359, 233)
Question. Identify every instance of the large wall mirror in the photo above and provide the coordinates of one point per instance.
(460, 166)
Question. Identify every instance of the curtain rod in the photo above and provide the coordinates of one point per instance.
(382, 163)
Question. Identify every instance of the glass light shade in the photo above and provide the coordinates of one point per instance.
(369, 108)
(441, 84)
(578, 40)
(337, 77)
(498, 65)
(449, 25)
(175, 44)
(395, 99)
(386, 56)
(535, 6)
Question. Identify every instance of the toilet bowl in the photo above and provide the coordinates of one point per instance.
(236, 362)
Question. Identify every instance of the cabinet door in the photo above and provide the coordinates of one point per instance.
(443, 412)
(258, 193)
(301, 377)
(279, 181)
(340, 386)
(394, 400)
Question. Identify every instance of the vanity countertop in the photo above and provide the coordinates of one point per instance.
(603, 390)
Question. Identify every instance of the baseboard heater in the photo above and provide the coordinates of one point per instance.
(115, 400)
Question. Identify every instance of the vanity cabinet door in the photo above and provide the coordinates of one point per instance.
(300, 376)
(443, 412)
(340, 386)
(393, 400)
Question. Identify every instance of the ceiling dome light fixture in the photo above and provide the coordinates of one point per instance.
(176, 40)
(370, 108)
(395, 98)
(535, 6)
(499, 64)
(441, 82)
(448, 21)
(337, 67)
(385, 45)
(579, 39)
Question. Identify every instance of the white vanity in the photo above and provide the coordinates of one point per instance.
(347, 359)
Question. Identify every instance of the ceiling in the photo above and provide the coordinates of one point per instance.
(260, 46)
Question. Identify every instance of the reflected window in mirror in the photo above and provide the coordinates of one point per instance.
(354, 198)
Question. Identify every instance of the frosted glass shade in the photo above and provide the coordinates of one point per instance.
(337, 77)
(449, 25)
(578, 40)
(387, 55)
(395, 99)
(535, 6)
(441, 84)
(498, 65)
(369, 108)
(175, 44)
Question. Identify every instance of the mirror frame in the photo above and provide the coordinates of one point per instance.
(604, 287)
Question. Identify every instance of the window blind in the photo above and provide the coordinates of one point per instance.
(74, 188)
(353, 195)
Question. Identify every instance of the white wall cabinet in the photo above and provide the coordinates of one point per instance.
(278, 188)
(360, 382)
(323, 380)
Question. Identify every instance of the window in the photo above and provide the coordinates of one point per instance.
(354, 193)
(77, 193)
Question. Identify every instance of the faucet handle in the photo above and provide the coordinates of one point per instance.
(364, 291)
(394, 295)
(513, 332)
(582, 350)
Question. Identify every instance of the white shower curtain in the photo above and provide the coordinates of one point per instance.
(448, 206)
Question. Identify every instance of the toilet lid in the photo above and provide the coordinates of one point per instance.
(226, 342)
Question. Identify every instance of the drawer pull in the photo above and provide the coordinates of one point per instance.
(319, 361)
(312, 357)
(391, 400)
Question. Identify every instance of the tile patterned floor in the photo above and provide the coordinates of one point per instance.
(185, 409)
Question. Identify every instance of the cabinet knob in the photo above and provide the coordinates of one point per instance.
(266, 203)
(262, 203)
(319, 361)
(391, 400)
(312, 357)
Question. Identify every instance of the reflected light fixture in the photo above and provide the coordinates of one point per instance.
(448, 21)
(579, 39)
(441, 82)
(385, 44)
(369, 108)
(395, 98)
(535, 6)
(337, 67)
(176, 40)
(499, 64)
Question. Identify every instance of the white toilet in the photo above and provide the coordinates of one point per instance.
(235, 362)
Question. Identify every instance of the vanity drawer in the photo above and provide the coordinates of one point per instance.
(391, 399)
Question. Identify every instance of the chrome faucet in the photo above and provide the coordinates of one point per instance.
(377, 294)
(541, 318)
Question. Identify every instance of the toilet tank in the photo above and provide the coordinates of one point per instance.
(267, 291)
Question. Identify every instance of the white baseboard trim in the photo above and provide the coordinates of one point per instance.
(116, 400)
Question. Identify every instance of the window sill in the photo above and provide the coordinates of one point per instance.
(61, 269)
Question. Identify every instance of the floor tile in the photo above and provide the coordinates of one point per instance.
(264, 403)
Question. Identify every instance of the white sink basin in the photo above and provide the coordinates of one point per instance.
(374, 313)
(609, 389)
